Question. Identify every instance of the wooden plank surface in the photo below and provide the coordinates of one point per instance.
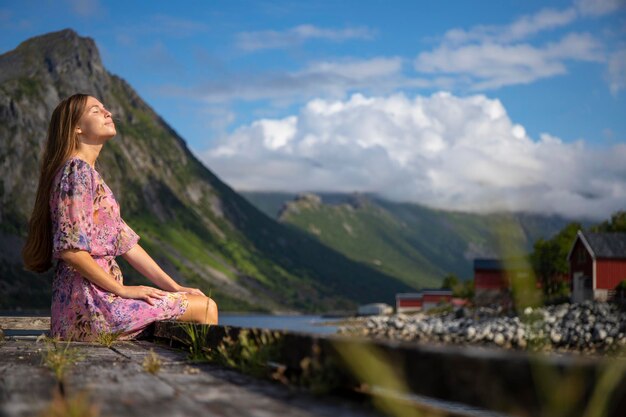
(24, 323)
(115, 381)
(26, 386)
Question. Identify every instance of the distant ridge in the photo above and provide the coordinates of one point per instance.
(414, 243)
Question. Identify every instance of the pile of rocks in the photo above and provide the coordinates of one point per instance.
(585, 327)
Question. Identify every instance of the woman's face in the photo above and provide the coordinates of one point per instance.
(96, 124)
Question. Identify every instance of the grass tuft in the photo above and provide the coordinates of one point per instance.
(78, 405)
(59, 357)
(152, 363)
(107, 339)
(196, 335)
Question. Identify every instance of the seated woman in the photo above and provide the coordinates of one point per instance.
(76, 220)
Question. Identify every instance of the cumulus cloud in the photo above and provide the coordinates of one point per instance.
(461, 153)
(272, 39)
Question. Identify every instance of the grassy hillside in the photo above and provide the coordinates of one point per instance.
(416, 244)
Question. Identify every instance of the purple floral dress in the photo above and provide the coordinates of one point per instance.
(86, 216)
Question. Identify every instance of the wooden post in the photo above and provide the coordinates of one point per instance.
(24, 323)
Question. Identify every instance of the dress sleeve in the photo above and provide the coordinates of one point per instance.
(126, 239)
(72, 209)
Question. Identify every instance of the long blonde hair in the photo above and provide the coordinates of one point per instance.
(61, 143)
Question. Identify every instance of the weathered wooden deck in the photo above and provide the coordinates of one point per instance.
(407, 376)
(115, 381)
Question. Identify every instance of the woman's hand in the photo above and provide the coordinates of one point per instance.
(190, 290)
(142, 292)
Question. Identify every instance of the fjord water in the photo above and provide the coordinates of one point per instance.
(298, 323)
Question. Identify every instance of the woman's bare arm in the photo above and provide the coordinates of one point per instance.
(146, 266)
(83, 262)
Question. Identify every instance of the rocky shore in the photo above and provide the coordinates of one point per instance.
(589, 327)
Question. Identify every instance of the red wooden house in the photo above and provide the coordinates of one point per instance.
(407, 302)
(492, 279)
(597, 264)
(423, 300)
(433, 297)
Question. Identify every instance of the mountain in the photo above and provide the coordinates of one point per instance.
(201, 231)
(417, 244)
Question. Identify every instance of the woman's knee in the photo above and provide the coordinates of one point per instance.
(205, 309)
(213, 311)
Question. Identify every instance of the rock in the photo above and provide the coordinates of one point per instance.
(599, 334)
(398, 324)
(600, 328)
(470, 332)
(555, 337)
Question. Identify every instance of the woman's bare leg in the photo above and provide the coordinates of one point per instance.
(201, 310)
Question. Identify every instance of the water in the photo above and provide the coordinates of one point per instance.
(298, 323)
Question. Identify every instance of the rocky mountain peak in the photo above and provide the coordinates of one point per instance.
(302, 201)
(56, 58)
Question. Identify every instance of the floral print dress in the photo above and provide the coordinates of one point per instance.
(86, 216)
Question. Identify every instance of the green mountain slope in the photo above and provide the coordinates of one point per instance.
(200, 230)
(416, 244)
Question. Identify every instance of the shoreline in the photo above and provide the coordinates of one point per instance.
(587, 328)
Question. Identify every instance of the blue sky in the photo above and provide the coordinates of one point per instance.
(265, 84)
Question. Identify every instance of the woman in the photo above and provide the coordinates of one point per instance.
(77, 221)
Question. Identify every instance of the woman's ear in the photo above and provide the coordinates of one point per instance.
(78, 130)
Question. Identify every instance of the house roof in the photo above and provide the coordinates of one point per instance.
(603, 245)
(408, 295)
(500, 265)
(421, 293)
(608, 245)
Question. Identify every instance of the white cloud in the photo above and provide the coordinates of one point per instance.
(493, 65)
(85, 8)
(521, 28)
(357, 70)
(271, 39)
(8, 21)
(446, 151)
(175, 26)
(525, 26)
(328, 78)
(598, 7)
(158, 24)
(616, 71)
(492, 56)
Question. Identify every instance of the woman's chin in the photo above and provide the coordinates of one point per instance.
(109, 135)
